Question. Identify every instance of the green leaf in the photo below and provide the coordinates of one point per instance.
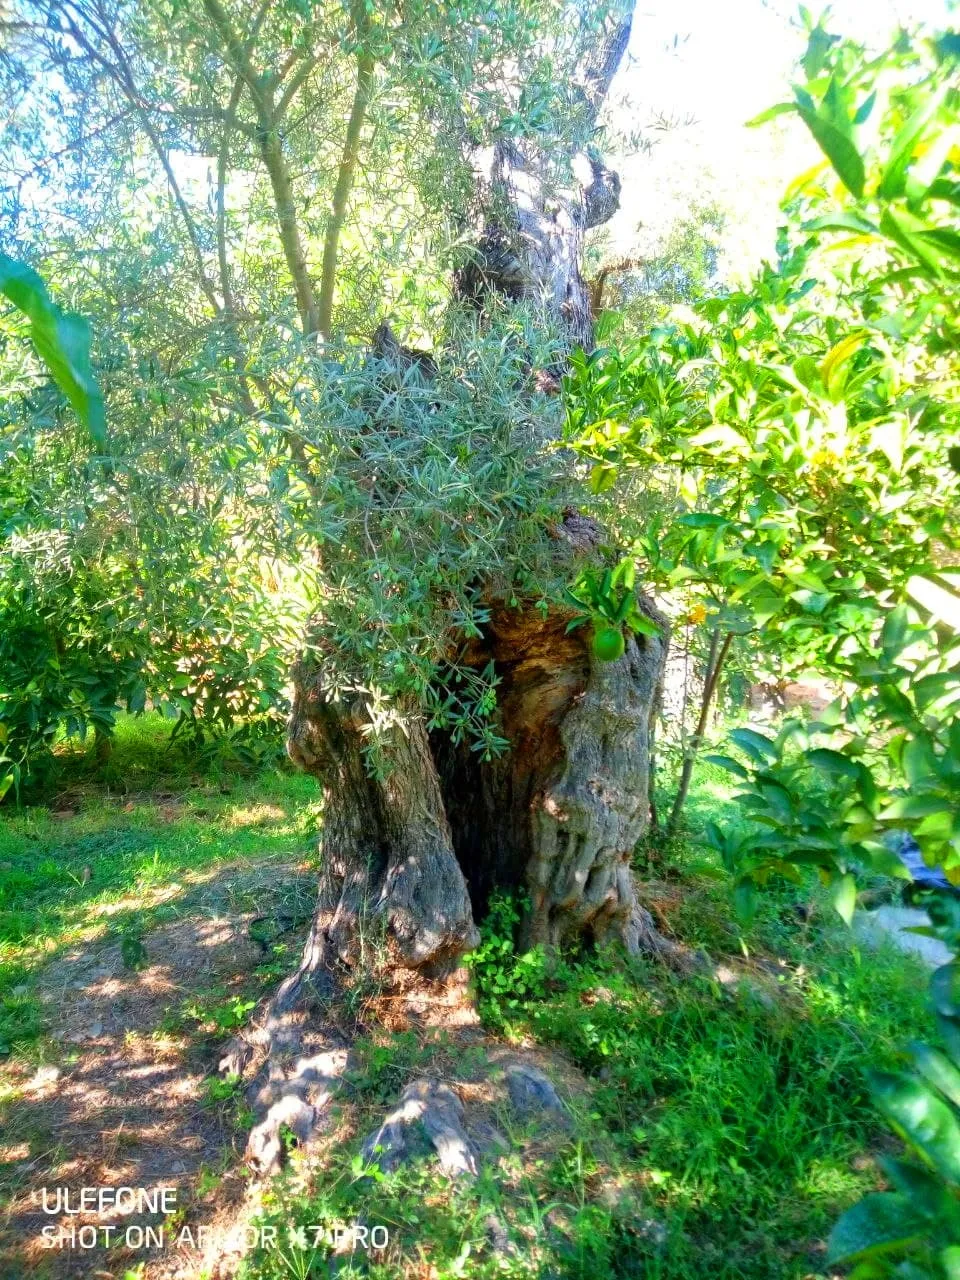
(896, 627)
(880, 1223)
(919, 761)
(625, 573)
(813, 602)
(912, 234)
(719, 433)
(641, 625)
(745, 900)
(837, 357)
(703, 520)
(137, 699)
(911, 807)
(937, 1070)
(728, 763)
(839, 149)
(834, 763)
(893, 182)
(782, 108)
(928, 1194)
(842, 222)
(845, 898)
(758, 747)
(922, 1117)
(62, 341)
(819, 44)
(945, 990)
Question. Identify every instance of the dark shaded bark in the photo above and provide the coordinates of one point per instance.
(558, 816)
(532, 244)
(388, 865)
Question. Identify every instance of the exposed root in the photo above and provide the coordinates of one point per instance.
(436, 1107)
(642, 937)
(290, 1088)
(293, 1102)
(531, 1090)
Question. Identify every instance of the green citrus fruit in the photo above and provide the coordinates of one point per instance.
(608, 643)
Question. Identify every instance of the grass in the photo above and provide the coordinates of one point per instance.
(724, 1127)
(733, 1129)
(720, 1126)
(90, 863)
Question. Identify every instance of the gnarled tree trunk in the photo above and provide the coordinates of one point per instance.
(410, 859)
(414, 857)
(418, 852)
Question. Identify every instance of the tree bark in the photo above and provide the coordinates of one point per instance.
(409, 860)
(345, 173)
(558, 816)
(389, 877)
(411, 854)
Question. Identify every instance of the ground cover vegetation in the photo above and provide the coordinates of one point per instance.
(453, 566)
(717, 1123)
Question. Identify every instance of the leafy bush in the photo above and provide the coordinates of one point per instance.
(115, 587)
(71, 651)
(913, 1231)
(804, 429)
(83, 636)
(506, 978)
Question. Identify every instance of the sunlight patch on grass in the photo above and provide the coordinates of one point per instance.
(256, 815)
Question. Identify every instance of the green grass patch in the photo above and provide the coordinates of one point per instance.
(726, 1127)
(95, 862)
(725, 1124)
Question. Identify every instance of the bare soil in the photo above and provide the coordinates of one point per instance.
(128, 1103)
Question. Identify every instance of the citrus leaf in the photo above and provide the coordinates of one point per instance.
(878, 1224)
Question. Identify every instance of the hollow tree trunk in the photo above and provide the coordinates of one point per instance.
(558, 815)
(418, 853)
(411, 856)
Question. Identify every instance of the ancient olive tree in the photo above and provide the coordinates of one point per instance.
(261, 190)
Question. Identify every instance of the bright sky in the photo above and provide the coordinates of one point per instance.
(722, 62)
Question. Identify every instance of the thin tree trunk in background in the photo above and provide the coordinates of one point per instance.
(271, 149)
(269, 140)
(716, 657)
(345, 175)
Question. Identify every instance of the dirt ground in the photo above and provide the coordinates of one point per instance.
(136, 1101)
(131, 1104)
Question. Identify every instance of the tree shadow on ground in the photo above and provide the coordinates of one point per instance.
(124, 1097)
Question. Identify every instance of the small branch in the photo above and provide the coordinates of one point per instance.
(122, 75)
(226, 284)
(602, 66)
(596, 286)
(226, 287)
(301, 76)
(293, 250)
(239, 58)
